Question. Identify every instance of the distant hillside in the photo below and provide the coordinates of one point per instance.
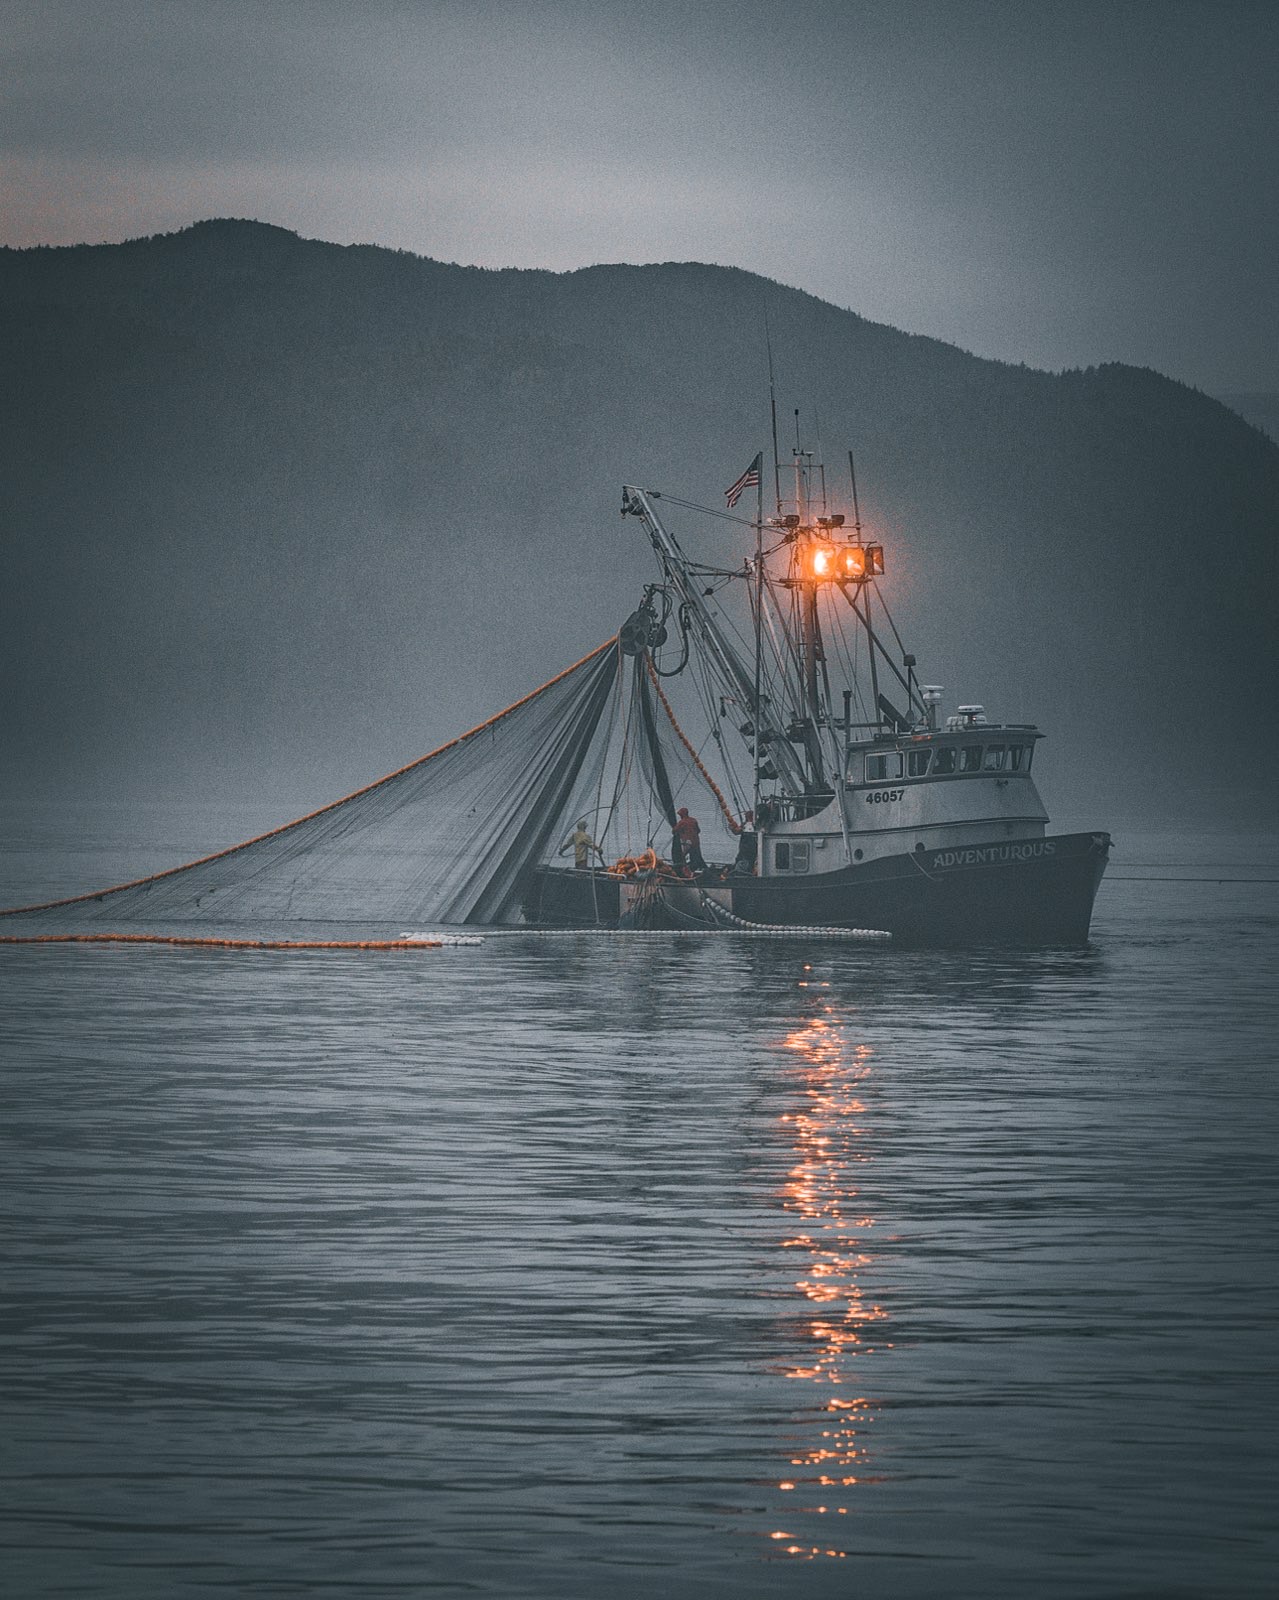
(1262, 410)
(280, 514)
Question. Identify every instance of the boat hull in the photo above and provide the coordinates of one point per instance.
(1016, 892)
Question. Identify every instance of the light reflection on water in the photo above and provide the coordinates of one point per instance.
(543, 1268)
(834, 1247)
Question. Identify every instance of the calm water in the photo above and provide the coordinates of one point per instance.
(599, 1266)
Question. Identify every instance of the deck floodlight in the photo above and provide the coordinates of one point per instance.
(852, 562)
(875, 560)
(823, 562)
(841, 563)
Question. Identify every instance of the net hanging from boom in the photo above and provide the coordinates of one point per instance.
(447, 838)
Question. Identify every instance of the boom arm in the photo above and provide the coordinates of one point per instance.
(737, 679)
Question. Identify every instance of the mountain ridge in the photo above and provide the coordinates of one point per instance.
(230, 227)
(239, 460)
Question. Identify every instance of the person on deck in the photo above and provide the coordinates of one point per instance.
(686, 843)
(747, 845)
(581, 844)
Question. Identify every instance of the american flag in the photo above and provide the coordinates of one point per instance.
(748, 480)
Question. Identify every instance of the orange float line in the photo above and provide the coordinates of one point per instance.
(272, 833)
(223, 944)
(714, 788)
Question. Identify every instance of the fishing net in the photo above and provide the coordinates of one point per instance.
(644, 767)
(448, 838)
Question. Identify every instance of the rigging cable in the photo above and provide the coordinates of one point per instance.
(900, 644)
(712, 705)
(732, 821)
(691, 505)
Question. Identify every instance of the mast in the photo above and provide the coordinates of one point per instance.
(792, 727)
(736, 677)
(811, 649)
(870, 632)
(812, 654)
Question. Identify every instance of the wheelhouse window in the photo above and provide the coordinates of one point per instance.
(791, 855)
(971, 761)
(1019, 756)
(917, 763)
(995, 757)
(944, 761)
(881, 767)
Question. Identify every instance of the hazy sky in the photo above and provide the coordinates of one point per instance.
(1060, 183)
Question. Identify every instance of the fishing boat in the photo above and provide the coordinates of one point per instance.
(863, 809)
(870, 807)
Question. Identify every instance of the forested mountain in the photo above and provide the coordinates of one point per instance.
(1259, 407)
(279, 515)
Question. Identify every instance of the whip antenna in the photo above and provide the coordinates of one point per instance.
(857, 516)
(772, 403)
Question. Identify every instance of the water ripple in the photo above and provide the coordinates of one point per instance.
(556, 1267)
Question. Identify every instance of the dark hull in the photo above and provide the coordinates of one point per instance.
(1025, 892)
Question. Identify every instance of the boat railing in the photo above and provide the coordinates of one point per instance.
(793, 808)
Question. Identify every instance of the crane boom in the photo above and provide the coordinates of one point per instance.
(736, 678)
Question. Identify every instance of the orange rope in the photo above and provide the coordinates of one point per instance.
(697, 762)
(632, 866)
(224, 944)
(271, 833)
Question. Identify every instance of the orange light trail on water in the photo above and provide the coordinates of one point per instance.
(828, 1133)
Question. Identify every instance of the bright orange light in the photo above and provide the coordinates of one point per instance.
(846, 563)
(823, 561)
(852, 561)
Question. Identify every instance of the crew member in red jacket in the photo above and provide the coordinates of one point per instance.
(686, 843)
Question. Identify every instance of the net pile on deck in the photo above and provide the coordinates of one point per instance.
(447, 838)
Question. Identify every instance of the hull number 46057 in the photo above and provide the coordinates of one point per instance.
(879, 796)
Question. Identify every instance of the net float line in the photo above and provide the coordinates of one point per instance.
(777, 930)
(333, 805)
(714, 788)
(223, 944)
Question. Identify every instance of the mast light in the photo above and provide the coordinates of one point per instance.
(844, 563)
(853, 561)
